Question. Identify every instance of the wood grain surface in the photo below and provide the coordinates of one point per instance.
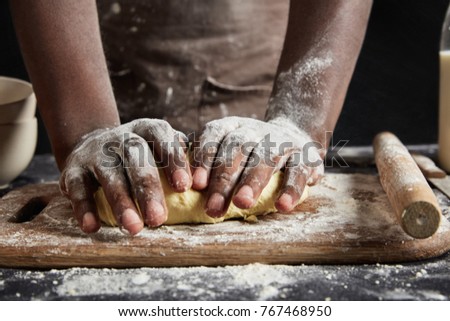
(347, 219)
(411, 197)
(428, 166)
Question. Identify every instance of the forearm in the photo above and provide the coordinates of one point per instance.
(322, 44)
(62, 49)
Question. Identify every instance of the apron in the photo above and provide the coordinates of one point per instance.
(192, 61)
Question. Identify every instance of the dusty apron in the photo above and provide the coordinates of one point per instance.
(192, 61)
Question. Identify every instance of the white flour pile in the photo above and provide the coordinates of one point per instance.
(248, 282)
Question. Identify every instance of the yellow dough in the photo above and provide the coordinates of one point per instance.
(188, 207)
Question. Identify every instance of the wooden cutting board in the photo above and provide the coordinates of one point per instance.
(347, 219)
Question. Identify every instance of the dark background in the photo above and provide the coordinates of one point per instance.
(395, 85)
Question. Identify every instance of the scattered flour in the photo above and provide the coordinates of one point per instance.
(367, 209)
(140, 279)
(342, 207)
(247, 282)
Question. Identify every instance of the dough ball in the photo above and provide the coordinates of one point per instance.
(188, 207)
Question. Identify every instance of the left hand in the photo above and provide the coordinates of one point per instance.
(241, 154)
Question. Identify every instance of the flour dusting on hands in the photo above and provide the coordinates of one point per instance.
(104, 157)
(261, 149)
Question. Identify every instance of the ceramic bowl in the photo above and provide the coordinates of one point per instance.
(17, 101)
(17, 146)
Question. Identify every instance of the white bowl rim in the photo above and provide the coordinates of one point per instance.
(25, 83)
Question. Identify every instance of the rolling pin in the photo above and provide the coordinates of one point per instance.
(414, 203)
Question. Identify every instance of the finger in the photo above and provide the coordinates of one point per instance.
(316, 175)
(175, 163)
(170, 151)
(79, 186)
(115, 187)
(184, 139)
(257, 174)
(206, 148)
(145, 180)
(296, 176)
(254, 180)
(230, 163)
(313, 159)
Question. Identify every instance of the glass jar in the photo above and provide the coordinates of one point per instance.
(444, 95)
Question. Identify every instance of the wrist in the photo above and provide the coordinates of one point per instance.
(317, 136)
(298, 127)
(62, 148)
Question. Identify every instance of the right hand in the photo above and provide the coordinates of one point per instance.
(122, 161)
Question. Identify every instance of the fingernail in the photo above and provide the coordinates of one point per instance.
(244, 197)
(284, 203)
(214, 207)
(181, 180)
(131, 221)
(89, 222)
(155, 214)
(200, 178)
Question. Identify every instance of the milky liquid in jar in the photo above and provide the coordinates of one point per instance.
(444, 95)
(444, 110)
